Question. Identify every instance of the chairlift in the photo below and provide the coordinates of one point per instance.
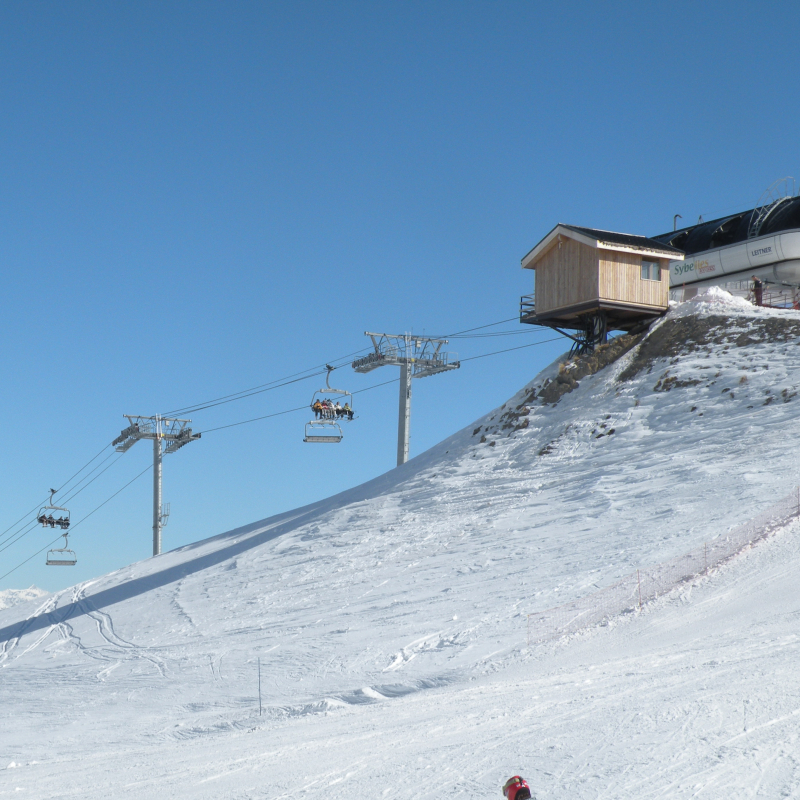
(323, 432)
(62, 556)
(46, 518)
(325, 429)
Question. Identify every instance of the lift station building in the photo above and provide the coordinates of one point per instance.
(589, 282)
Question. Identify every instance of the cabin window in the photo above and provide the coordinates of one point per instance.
(651, 271)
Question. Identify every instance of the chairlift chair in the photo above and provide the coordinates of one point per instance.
(45, 516)
(327, 430)
(62, 556)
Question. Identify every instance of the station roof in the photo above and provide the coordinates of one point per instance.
(602, 240)
(782, 215)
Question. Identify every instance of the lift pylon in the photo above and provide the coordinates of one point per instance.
(174, 433)
(417, 357)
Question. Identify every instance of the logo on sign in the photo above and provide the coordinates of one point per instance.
(700, 267)
(762, 252)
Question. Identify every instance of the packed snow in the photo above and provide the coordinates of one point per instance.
(390, 620)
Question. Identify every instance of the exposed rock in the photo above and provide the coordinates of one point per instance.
(676, 337)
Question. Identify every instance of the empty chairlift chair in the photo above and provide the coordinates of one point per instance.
(62, 556)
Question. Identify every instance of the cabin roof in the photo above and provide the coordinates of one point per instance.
(602, 240)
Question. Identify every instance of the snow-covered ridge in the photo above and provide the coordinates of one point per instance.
(13, 597)
(422, 579)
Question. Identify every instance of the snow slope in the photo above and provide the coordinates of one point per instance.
(390, 620)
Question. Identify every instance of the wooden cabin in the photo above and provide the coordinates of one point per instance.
(587, 278)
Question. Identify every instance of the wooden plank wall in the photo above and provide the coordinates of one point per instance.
(621, 280)
(566, 276)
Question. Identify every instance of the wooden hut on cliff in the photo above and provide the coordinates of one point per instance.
(589, 282)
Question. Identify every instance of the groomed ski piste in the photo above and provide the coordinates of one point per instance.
(390, 620)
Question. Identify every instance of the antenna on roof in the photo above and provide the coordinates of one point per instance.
(675, 221)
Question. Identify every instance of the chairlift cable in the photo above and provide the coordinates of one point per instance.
(63, 486)
(76, 493)
(19, 534)
(293, 378)
(16, 535)
(509, 349)
(481, 327)
(38, 552)
(264, 387)
(256, 419)
(32, 525)
(83, 519)
(38, 505)
(368, 388)
(195, 409)
(48, 546)
(491, 334)
(22, 519)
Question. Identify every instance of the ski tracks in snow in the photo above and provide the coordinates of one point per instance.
(112, 650)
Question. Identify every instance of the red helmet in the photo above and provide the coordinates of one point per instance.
(516, 788)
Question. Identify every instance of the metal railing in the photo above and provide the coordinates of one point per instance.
(527, 306)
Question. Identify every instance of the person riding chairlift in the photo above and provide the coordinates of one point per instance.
(517, 788)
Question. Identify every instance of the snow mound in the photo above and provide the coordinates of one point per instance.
(715, 300)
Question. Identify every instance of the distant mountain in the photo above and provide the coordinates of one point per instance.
(12, 597)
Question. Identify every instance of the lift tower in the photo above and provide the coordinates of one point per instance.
(417, 357)
(173, 432)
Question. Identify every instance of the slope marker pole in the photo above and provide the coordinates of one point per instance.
(639, 582)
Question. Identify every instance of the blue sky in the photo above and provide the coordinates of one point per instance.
(198, 198)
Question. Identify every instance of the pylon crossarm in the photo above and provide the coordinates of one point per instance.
(417, 357)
